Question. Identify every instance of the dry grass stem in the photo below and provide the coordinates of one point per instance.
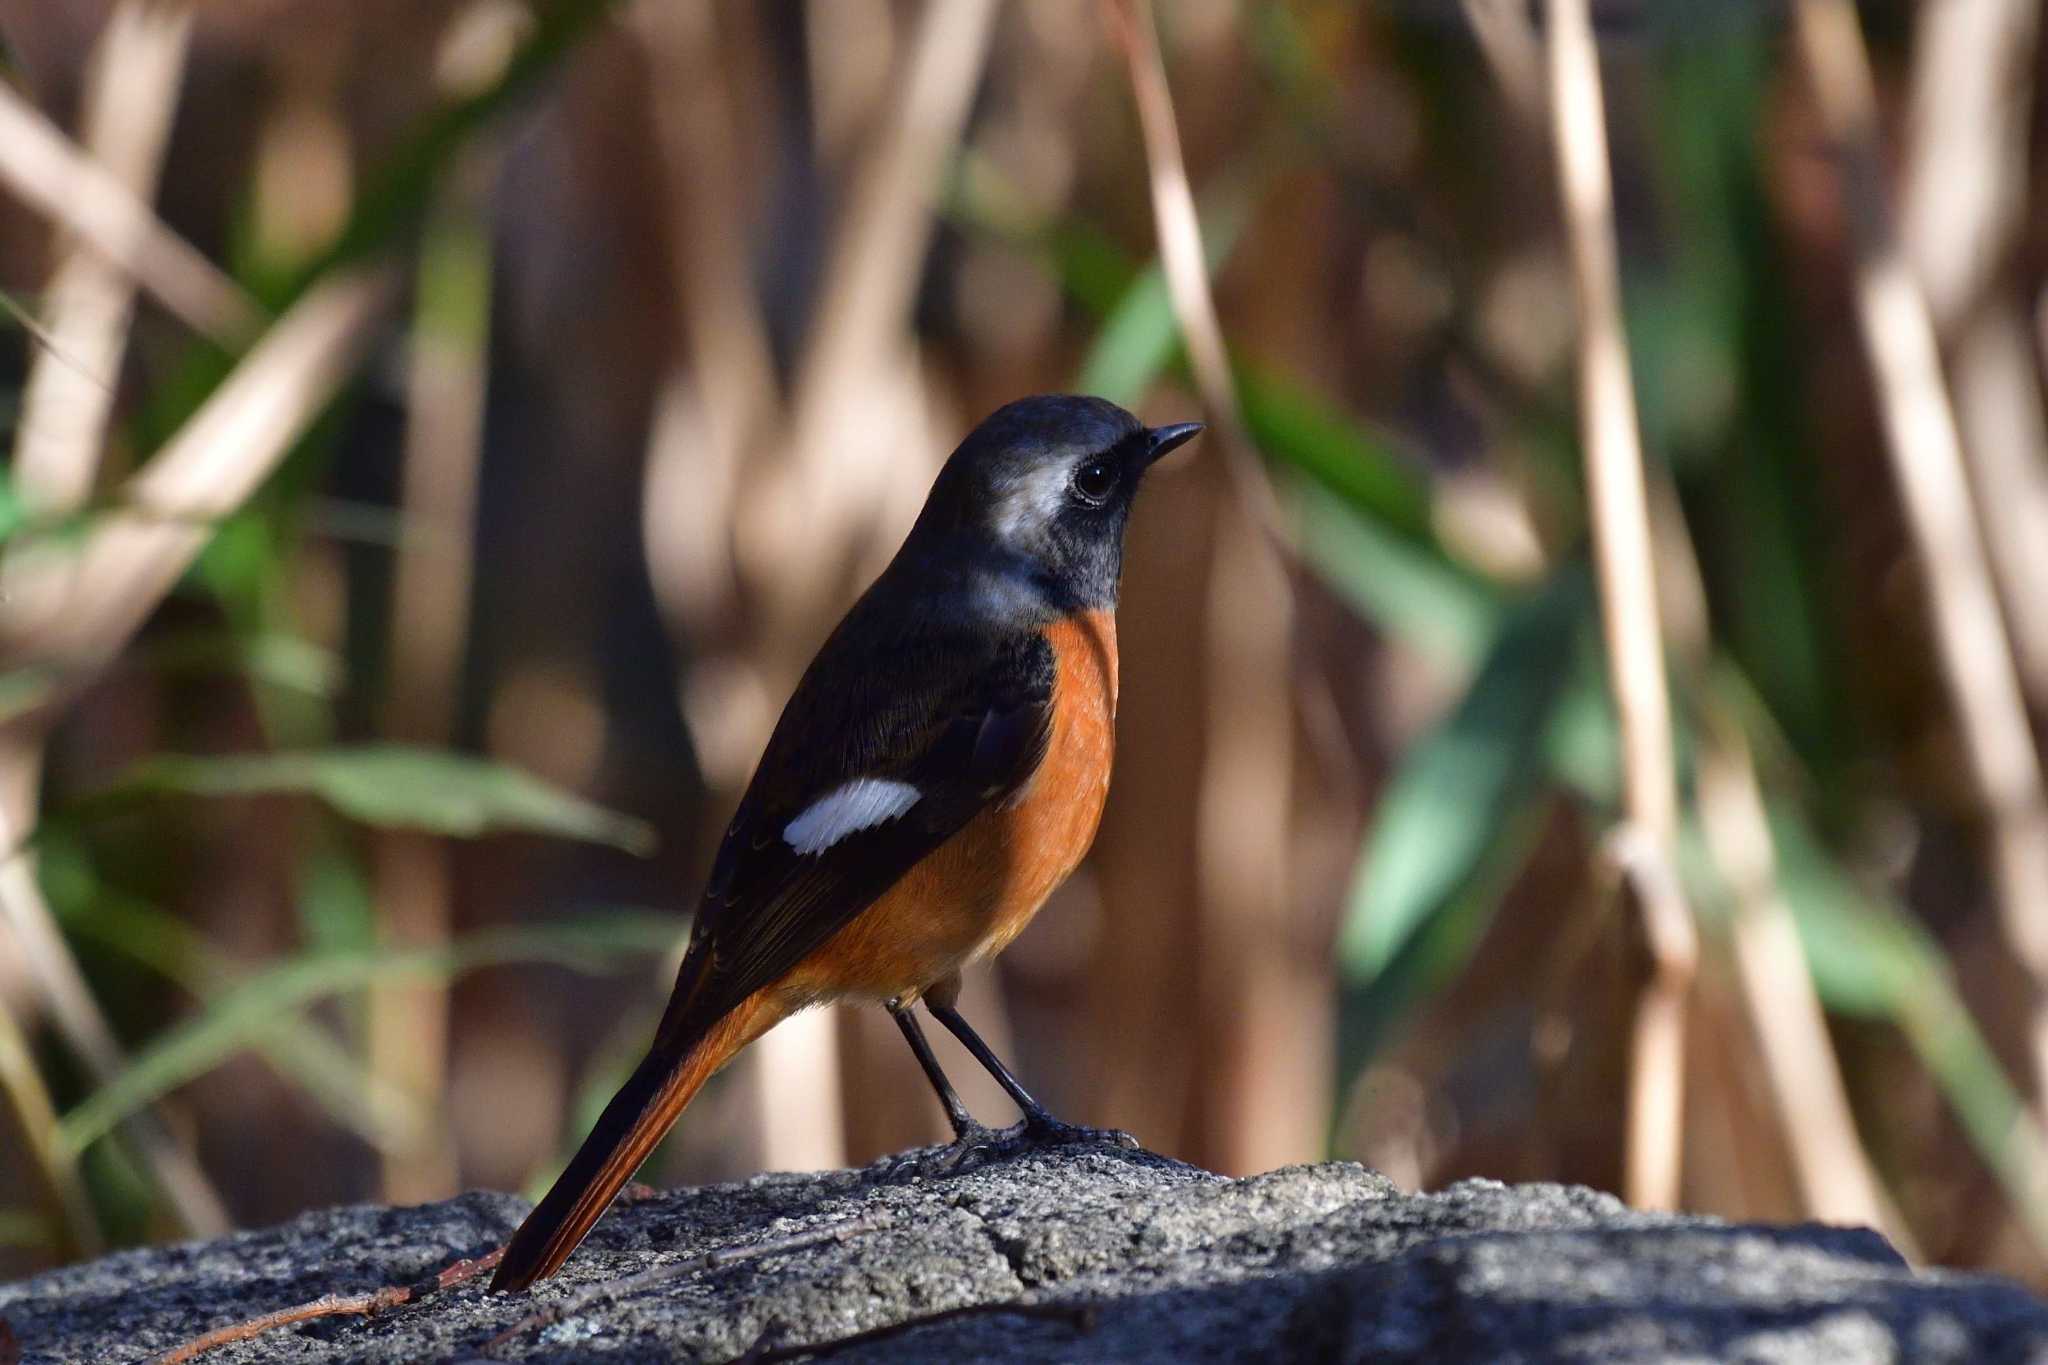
(35, 1114)
(696, 122)
(856, 399)
(1920, 430)
(133, 91)
(1628, 596)
(67, 401)
(1507, 40)
(408, 1024)
(133, 557)
(46, 171)
(331, 1306)
(1835, 1176)
(91, 1038)
(1961, 212)
(719, 401)
(1965, 174)
(446, 376)
(1804, 1076)
(68, 398)
(1253, 976)
(1179, 232)
(1998, 404)
(128, 562)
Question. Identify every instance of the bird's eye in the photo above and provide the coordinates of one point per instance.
(1094, 480)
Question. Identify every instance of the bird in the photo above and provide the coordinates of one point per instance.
(939, 770)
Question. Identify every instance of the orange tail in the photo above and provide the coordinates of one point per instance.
(631, 1126)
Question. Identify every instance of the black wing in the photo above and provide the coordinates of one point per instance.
(962, 715)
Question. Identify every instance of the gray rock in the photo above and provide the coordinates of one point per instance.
(1310, 1263)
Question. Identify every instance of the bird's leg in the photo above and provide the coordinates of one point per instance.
(967, 1131)
(1039, 1125)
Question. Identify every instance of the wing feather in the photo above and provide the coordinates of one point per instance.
(960, 715)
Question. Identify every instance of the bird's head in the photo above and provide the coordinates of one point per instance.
(1045, 485)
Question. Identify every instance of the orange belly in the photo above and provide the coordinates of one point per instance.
(978, 890)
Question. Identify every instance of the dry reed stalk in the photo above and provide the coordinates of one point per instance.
(718, 404)
(1629, 612)
(854, 401)
(90, 1037)
(1961, 211)
(134, 555)
(82, 332)
(1805, 1079)
(408, 1024)
(1507, 40)
(1268, 996)
(1803, 1076)
(36, 1114)
(445, 380)
(1920, 433)
(698, 128)
(1835, 1177)
(49, 173)
(129, 560)
(131, 98)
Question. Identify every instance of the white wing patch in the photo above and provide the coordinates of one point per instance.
(857, 805)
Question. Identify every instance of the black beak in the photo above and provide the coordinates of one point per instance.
(1160, 440)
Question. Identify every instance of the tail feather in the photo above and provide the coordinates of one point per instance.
(630, 1128)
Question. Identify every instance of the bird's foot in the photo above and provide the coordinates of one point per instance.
(1041, 1129)
(973, 1144)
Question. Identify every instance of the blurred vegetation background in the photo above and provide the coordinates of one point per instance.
(440, 432)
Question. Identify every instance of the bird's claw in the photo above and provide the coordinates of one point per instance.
(1043, 1130)
(979, 1145)
(969, 1148)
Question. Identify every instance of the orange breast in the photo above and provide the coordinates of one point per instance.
(976, 892)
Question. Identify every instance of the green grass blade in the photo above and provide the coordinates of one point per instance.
(1460, 789)
(1429, 958)
(1319, 441)
(1869, 957)
(1139, 339)
(299, 1049)
(239, 1018)
(1402, 588)
(392, 786)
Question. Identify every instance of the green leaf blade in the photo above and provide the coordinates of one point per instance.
(395, 786)
(246, 1015)
(1461, 789)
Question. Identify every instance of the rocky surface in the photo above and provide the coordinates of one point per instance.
(1169, 1263)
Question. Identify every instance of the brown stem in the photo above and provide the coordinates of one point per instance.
(329, 1306)
(1927, 462)
(1629, 612)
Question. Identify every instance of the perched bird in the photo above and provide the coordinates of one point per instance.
(939, 770)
